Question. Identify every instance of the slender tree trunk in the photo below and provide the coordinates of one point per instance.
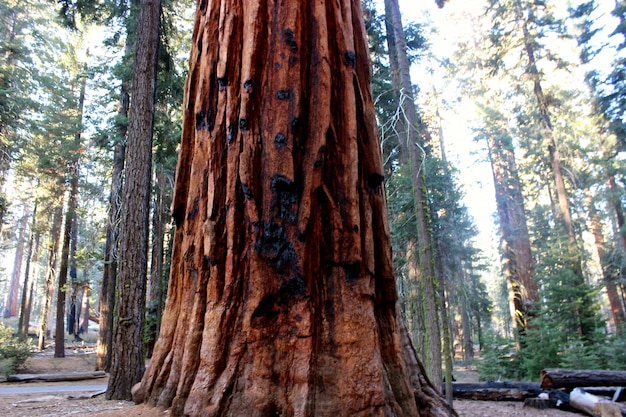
(155, 283)
(109, 274)
(617, 207)
(572, 251)
(424, 258)
(53, 249)
(127, 363)
(282, 299)
(27, 290)
(83, 326)
(13, 295)
(59, 335)
(69, 233)
(617, 309)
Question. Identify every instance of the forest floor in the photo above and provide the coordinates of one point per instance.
(82, 359)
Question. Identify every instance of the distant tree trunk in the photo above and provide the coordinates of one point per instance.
(69, 234)
(617, 309)
(423, 258)
(53, 249)
(518, 260)
(13, 295)
(109, 273)
(282, 299)
(564, 216)
(127, 363)
(619, 212)
(155, 283)
(59, 335)
(83, 326)
(29, 282)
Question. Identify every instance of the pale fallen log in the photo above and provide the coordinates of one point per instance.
(572, 378)
(593, 405)
(72, 376)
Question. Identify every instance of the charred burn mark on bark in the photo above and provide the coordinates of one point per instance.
(267, 309)
(271, 305)
(374, 181)
(230, 137)
(320, 153)
(199, 43)
(210, 119)
(248, 86)
(178, 215)
(200, 121)
(280, 141)
(293, 287)
(203, 5)
(243, 124)
(208, 262)
(349, 59)
(295, 125)
(355, 228)
(352, 271)
(222, 82)
(205, 119)
(283, 94)
(284, 197)
(194, 211)
(274, 246)
(246, 191)
(290, 40)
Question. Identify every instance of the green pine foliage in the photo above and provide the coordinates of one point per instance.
(13, 351)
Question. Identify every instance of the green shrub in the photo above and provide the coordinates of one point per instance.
(13, 352)
(499, 360)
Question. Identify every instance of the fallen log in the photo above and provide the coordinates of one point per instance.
(73, 376)
(593, 405)
(570, 379)
(495, 391)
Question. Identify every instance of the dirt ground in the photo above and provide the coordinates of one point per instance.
(82, 359)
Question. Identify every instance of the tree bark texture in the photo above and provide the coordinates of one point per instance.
(282, 299)
(127, 362)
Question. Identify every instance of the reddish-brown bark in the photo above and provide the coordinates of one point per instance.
(282, 299)
(517, 255)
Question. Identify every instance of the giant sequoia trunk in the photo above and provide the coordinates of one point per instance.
(282, 299)
(518, 260)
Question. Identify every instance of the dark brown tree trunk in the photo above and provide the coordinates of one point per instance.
(27, 289)
(422, 260)
(59, 334)
(109, 273)
(518, 261)
(282, 299)
(53, 249)
(69, 233)
(127, 362)
(13, 295)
